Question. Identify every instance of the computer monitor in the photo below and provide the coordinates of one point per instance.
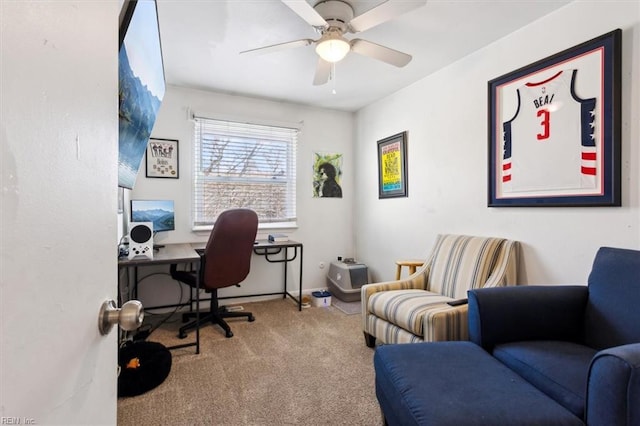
(160, 212)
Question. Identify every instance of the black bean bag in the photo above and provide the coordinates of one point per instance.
(143, 366)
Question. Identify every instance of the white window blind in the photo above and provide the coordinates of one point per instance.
(243, 165)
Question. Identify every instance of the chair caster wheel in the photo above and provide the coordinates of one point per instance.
(182, 335)
(229, 334)
(252, 318)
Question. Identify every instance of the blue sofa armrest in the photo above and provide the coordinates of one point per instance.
(511, 314)
(613, 387)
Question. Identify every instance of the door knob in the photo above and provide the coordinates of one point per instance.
(129, 317)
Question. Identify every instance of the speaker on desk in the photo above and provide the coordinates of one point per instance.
(141, 239)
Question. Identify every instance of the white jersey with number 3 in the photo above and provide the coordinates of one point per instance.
(550, 144)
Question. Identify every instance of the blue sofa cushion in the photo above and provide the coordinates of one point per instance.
(457, 383)
(557, 368)
(612, 317)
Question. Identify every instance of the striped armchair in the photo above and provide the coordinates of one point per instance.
(415, 309)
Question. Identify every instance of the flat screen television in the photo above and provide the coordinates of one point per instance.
(160, 212)
(141, 85)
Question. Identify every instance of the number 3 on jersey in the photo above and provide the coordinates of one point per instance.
(546, 115)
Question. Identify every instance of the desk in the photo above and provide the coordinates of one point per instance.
(186, 253)
(270, 251)
(170, 253)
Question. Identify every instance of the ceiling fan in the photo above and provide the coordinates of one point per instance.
(332, 19)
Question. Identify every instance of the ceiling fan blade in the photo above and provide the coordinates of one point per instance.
(278, 47)
(383, 13)
(323, 72)
(381, 53)
(306, 12)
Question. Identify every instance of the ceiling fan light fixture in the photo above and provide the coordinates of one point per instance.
(332, 47)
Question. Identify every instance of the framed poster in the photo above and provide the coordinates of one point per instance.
(554, 129)
(327, 174)
(392, 166)
(162, 158)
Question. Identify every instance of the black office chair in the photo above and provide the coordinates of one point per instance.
(225, 262)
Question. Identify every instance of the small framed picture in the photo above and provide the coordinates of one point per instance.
(162, 158)
(392, 166)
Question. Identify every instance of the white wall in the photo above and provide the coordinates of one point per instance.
(445, 115)
(324, 225)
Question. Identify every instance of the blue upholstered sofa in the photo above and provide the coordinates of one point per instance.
(538, 355)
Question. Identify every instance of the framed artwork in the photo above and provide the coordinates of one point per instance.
(327, 174)
(392, 166)
(141, 86)
(554, 129)
(162, 158)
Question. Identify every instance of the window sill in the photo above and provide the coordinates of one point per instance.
(261, 227)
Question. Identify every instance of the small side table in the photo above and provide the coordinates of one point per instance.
(412, 264)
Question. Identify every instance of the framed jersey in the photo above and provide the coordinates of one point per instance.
(554, 129)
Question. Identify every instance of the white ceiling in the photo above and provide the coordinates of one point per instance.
(201, 41)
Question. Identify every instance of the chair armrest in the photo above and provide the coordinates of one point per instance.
(613, 387)
(186, 277)
(508, 314)
(443, 322)
(415, 282)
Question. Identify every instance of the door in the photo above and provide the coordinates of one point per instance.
(58, 165)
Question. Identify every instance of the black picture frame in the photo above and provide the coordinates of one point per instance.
(569, 153)
(162, 158)
(392, 166)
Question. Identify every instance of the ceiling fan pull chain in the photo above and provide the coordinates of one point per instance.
(333, 77)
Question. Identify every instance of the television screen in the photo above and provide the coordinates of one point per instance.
(160, 212)
(141, 85)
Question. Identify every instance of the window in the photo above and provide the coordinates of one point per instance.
(244, 165)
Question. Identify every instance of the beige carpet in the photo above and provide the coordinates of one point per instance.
(286, 368)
